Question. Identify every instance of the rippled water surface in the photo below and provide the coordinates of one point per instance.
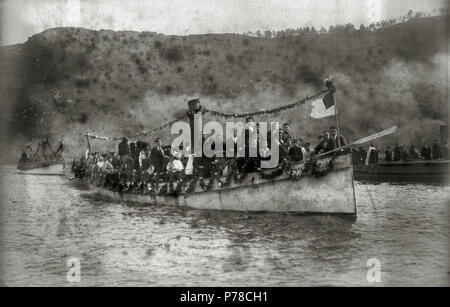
(45, 221)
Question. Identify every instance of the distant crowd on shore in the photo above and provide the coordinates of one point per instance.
(399, 153)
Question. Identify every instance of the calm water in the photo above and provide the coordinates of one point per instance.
(45, 221)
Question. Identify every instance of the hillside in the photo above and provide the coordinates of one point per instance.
(68, 81)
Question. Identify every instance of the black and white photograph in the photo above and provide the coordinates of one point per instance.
(225, 144)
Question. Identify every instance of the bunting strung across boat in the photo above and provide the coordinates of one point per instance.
(168, 124)
(138, 135)
(106, 138)
(270, 111)
(222, 114)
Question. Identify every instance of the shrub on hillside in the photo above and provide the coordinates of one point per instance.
(81, 83)
(157, 44)
(142, 69)
(83, 118)
(230, 58)
(168, 89)
(305, 73)
(148, 56)
(172, 54)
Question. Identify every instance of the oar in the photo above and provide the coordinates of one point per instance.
(375, 136)
(363, 140)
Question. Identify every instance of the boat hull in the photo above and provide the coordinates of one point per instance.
(412, 171)
(332, 193)
(50, 170)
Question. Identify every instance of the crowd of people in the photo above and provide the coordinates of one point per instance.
(139, 162)
(399, 153)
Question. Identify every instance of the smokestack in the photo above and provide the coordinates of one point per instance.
(194, 108)
(443, 134)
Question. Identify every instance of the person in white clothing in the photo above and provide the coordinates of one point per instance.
(175, 165)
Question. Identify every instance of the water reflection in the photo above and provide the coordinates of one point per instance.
(405, 226)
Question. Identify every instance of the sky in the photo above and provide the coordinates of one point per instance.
(21, 19)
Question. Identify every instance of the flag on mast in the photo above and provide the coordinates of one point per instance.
(323, 107)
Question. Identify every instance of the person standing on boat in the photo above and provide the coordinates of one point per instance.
(116, 160)
(235, 139)
(46, 149)
(355, 156)
(137, 153)
(324, 139)
(445, 152)
(283, 151)
(133, 152)
(287, 132)
(388, 154)
(397, 153)
(158, 157)
(404, 154)
(29, 148)
(334, 143)
(251, 164)
(127, 168)
(413, 152)
(124, 149)
(233, 152)
(426, 152)
(23, 158)
(308, 152)
(362, 155)
(249, 129)
(300, 143)
(143, 159)
(436, 150)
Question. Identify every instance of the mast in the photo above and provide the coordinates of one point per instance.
(337, 119)
(332, 88)
(194, 108)
(88, 143)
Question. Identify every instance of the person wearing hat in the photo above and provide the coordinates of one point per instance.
(287, 132)
(158, 157)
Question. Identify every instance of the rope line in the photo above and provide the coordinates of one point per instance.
(221, 114)
(270, 111)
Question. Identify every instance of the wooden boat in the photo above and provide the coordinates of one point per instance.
(434, 171)
(39, 163)
(330, 193)
(53, 168)
(323, 186)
